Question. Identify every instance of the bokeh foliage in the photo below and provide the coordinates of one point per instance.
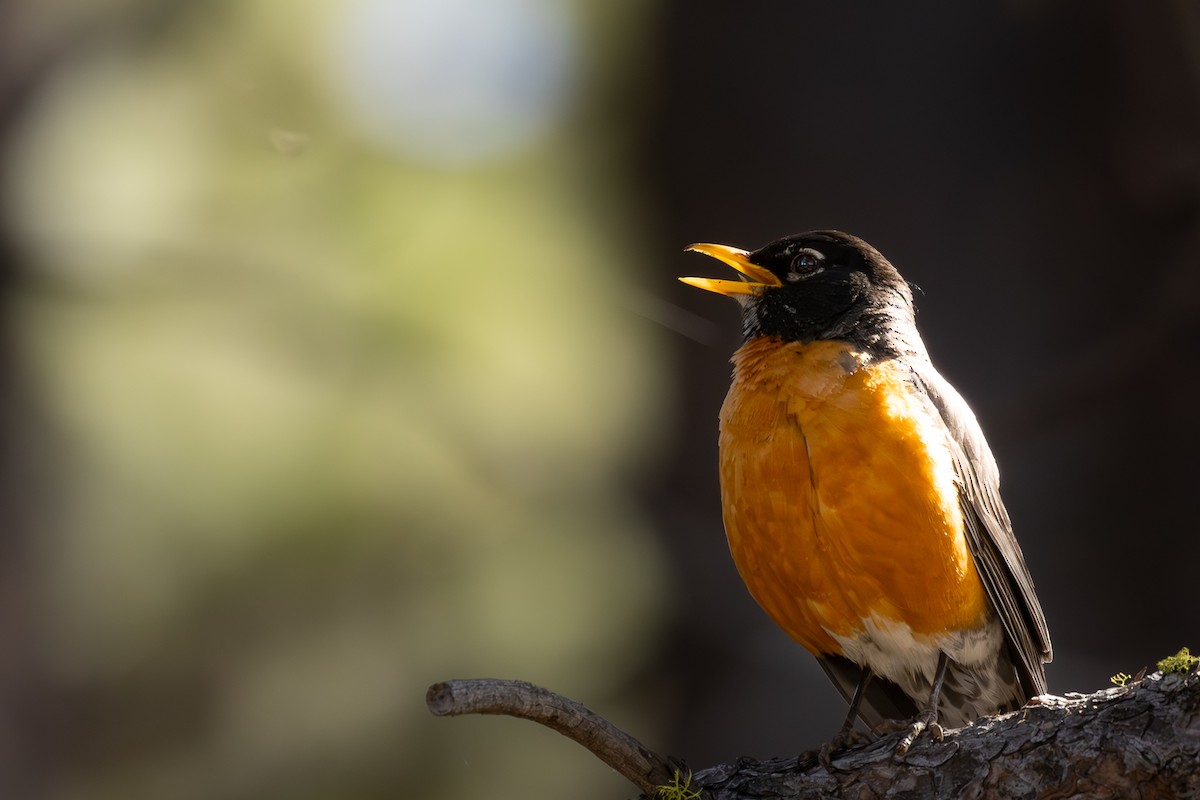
(329, 422)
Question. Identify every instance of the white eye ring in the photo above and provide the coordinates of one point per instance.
(809, 260)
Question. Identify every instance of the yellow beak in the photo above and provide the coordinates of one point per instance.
(759, 277)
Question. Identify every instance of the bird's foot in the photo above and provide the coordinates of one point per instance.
(926, 720)
(845, 738)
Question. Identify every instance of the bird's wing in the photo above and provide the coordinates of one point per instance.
(990, 536)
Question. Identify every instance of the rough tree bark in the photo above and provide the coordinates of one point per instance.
(1141, 740)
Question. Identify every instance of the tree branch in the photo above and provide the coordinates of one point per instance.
(643, 767)
(1140, 740)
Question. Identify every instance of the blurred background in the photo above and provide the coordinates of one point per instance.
(343, 353)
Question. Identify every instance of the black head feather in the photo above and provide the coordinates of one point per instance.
(834, 286)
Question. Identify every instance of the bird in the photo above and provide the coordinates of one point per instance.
(860, 499)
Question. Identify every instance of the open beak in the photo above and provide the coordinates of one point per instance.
(756, 278)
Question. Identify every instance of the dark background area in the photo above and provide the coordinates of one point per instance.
(1034, 168)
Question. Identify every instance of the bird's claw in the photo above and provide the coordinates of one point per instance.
(926, 720)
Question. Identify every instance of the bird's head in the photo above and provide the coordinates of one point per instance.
(818, 285)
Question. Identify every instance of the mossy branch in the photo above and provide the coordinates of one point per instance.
(1137, 740)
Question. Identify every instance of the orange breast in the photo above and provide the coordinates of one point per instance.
(839, 497)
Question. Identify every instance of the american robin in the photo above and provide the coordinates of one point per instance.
(860, 499)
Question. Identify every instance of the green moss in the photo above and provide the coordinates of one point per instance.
(675, 790)
(1183, 661)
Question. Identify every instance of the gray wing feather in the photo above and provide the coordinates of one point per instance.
(990, 536)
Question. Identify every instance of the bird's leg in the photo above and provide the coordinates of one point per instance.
(927, 717)
(846, 736)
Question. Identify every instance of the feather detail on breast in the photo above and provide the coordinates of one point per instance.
(840, 499)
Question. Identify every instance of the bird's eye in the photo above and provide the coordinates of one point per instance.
(805, 263)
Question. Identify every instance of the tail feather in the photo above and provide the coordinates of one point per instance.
(967, 694)
(883, 700)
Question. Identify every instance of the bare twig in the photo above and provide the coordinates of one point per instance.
(644, 768)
